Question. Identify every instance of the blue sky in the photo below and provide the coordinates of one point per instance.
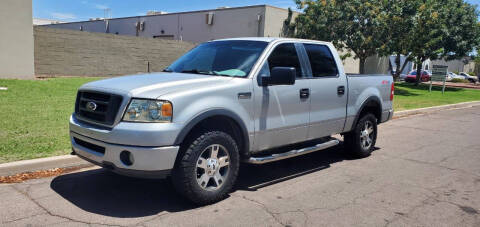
(76, 10)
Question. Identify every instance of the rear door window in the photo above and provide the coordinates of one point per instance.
(321, 60)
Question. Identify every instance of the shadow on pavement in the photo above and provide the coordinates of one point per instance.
(106, 193)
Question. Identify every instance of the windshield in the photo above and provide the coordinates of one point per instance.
(233, 58)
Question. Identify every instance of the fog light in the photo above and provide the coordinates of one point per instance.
(126, 157)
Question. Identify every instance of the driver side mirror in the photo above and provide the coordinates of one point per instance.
(280, 76)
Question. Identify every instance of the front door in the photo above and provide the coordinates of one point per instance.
(281, 114)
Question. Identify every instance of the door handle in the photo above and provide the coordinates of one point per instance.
(304, 93)
(341, 90)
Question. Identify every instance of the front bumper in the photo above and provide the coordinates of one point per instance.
(146, 162)
(130, 133)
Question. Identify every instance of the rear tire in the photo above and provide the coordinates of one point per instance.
(360, 142)
(207, 168)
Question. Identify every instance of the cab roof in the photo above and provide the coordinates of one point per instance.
(272, 39)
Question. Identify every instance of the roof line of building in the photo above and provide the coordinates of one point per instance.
(183, 12)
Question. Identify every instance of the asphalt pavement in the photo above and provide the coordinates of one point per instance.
(425, 171)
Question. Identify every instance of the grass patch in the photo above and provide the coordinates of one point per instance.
(34, 117)
(409, 96)
(34, 113)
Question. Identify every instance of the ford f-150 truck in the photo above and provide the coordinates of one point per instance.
(255, 100)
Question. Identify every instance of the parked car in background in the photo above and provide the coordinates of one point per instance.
(412, 76)
(466, 76)
(451, 76)
(448, 77)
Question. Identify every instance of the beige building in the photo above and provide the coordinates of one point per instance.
(192, 26)
(198, 26)
(16, 39)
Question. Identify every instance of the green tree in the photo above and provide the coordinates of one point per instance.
(445, 29)
(430, 29)
(399, 21)
(355, 25)
(416, 29)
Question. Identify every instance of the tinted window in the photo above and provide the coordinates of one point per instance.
(321, 60)
(285, 55)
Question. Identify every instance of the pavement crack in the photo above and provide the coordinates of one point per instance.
(432, 164)
(155, 217)
(264, 207)
(27, 195)
(23, 218)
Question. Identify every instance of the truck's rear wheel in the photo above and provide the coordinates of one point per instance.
(207, 169)
(360, 142)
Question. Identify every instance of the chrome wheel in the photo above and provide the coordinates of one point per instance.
(366, 135)
(212, 167)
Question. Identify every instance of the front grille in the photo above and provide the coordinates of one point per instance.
(90, 146)
(106, 106)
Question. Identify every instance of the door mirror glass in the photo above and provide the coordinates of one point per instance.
(280, 76)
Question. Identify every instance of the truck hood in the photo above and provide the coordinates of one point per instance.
(155, 85)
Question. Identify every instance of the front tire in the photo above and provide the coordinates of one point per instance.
(360, 142)
(207, 168)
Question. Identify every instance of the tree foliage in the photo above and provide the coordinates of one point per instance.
(348, 24)
(416, 29)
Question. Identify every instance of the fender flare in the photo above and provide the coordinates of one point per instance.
(362, 107)
(215, 112)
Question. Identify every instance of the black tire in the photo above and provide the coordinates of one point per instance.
(185, 172)
(471, 80)
(353, 139)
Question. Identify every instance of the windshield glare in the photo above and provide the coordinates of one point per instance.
(225, 58)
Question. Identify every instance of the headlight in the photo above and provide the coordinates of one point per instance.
(146, 110)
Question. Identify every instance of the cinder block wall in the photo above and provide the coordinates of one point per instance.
(61, 52)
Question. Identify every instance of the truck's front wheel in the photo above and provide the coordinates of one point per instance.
(207, 168)
(360, 142)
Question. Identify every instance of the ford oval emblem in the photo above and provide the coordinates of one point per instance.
(91, 106)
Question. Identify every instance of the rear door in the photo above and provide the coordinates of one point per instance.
(328, 92)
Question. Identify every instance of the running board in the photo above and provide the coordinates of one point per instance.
(292, 153)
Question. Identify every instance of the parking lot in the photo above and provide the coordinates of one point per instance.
(425, 172)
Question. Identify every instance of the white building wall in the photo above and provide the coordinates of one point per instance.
(16, 39)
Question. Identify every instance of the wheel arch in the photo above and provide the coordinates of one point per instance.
(370, 105)
(224, 119)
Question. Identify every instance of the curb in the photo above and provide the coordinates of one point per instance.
(432, 109)
(63, 161)
(70, 161)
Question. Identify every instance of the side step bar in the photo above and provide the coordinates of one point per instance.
(292, 153)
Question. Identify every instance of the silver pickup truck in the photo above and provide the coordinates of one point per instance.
(255, 100)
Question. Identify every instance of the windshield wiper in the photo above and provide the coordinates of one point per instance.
(219, 74)
(196, 71)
